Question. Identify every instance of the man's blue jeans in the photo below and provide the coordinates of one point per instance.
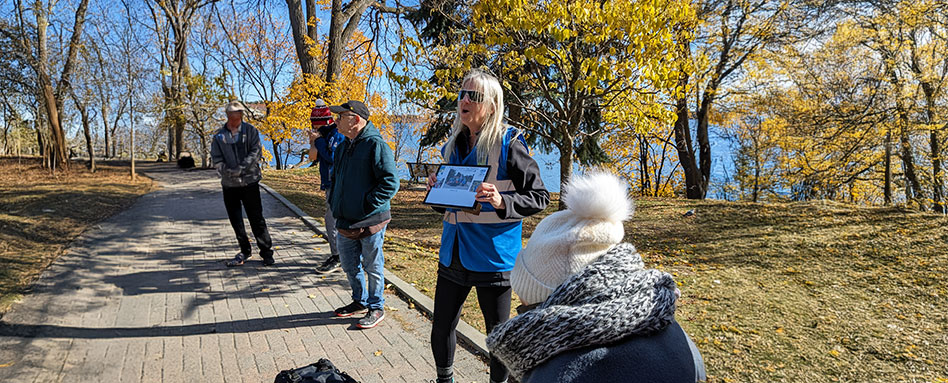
(364, 264)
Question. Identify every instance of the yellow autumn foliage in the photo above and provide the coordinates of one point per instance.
(288, 115)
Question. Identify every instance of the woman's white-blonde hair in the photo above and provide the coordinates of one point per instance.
(491, 135)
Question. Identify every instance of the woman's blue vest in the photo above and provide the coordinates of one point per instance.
(486, 243)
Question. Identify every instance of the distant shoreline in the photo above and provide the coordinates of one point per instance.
(549, 163)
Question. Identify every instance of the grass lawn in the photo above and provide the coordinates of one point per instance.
(40, 214)
(797, 292)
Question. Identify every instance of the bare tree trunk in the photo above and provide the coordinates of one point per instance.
(131, 128)
(301, 30)
(657, 178)
(40, 142)
(105, 125)
(937, 178)
(686, 154)
(514, 109)
(912, 188)
(566, 146)
(755, 141)
(181, 72)
(756, 194)
(935, 148)
(53, 100)
(276, 155)
(704, 145)
(114, 141)
(57, 152)
(566, 167)
(202, 138)
(180, 15)
(90, 146)
(645, 175)
(929, 91)
(204, 152)
(86, 131)
(103, 93)
(167, 121)
(682, 128)
(645, 186)
(6, 129)
(342, 24)
(887, 182)
(171, 151)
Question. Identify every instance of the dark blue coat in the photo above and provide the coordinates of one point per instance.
(326, 145)
(668, 356)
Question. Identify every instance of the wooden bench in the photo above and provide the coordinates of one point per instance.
(418, 171)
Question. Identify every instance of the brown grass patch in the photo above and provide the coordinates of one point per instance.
(41, 213)
(798, 292)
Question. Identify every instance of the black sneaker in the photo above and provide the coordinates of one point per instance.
(330, 265)
(238, 260)
(371, 318)
(268, 261)
(350, 309)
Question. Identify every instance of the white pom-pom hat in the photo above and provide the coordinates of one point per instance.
(566, 241)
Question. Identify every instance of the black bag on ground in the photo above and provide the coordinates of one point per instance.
(322, 371)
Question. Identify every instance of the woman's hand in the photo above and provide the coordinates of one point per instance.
(432, 178)
(313, 135)
(488, 193)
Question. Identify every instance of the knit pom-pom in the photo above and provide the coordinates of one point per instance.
(600, 196)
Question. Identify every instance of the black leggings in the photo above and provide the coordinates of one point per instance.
(449, 298)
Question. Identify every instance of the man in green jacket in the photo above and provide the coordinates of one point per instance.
(363, 182)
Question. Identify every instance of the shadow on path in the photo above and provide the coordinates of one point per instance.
(238, 326)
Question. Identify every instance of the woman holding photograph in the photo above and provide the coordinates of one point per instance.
(478, 249)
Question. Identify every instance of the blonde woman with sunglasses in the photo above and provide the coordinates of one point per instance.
(478, 250)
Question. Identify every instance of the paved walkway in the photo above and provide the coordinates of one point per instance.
(144, 296)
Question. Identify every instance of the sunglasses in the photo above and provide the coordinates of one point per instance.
(472, 95)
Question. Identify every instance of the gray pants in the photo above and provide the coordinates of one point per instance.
(330, 228)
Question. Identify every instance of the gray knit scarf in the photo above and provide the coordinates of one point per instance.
(612, 298)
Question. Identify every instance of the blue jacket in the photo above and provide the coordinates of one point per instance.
(325, 146)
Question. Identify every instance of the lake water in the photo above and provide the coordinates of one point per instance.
(549, 163)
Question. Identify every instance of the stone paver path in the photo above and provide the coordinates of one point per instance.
(144, 297)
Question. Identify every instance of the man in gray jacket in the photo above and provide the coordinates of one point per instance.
(235, 152)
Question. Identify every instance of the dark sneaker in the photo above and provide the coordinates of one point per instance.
(238, 260)
(268, 261)
(371, 318)
(329, 265)
(350, 309)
